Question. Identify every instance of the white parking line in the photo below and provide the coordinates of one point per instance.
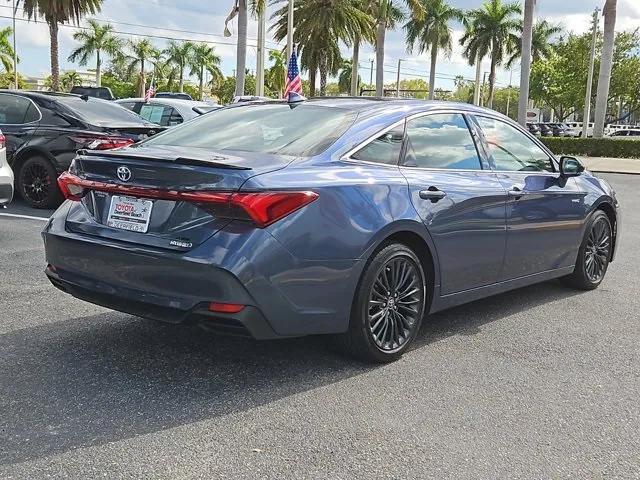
(29, 217)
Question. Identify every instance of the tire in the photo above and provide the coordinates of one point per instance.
(382, 329)
(594, 254)
(36, 182)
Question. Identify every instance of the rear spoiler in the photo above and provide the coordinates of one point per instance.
(178, 160)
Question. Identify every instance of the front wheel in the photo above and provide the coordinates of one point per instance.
(389, 305)
(594, 254)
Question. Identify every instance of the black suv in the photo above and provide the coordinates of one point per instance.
(98, 92)
(44, 130)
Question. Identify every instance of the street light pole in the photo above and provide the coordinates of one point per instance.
(290, 31)
(587, 98)
(525, 65)
(15, 50)
(509, 91)
(398, 79)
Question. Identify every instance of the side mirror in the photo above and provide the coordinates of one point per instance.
(570, 167)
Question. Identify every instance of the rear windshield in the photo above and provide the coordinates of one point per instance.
(304, 130)
(101, 112)
(93, 92)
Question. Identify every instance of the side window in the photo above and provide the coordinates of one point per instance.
(127, 105)
(441, 141)
(152, 113)
(384, 149)
(170, 117)
(51, 115)
(512, 150)
(16, 110)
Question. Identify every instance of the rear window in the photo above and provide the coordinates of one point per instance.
(304, 130)
(103, 93)
(100, 112)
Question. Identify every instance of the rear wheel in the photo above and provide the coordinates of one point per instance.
(594, 254)
(388, 308)
(37, 183)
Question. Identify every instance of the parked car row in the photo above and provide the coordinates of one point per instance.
(552, 130)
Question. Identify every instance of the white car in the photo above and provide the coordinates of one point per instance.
(167, 112)
(627, 133)
(578, 126)
(6, 174)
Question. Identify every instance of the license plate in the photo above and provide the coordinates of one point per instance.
(129, 213)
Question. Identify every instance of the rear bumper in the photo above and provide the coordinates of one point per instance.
(283, 296)
(6, 181)
(249, 322)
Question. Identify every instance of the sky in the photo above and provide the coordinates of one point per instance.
(203, 20)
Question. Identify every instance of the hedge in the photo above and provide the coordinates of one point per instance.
(593, 147)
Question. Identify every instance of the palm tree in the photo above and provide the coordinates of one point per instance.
(204, 59)
(345, 82)
(541, 41)
(432, 32)
(70, 79)
(387, 15)
(6, 49)
(97, 39)
(320, 26)
(242, 8)
(606, 63)
(57, 12)
(473, 52)
(493, 28)
(525, 47)
(368, 36)
(179, 53)
(277, 73)
(142, 53)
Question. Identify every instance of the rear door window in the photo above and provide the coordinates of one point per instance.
(441, 141)
(17, 110)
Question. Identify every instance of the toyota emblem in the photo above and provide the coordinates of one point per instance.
(124, 173)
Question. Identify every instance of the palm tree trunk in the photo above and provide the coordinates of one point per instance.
(381, 31)
(98, 69)
(432, 72)
(323, 76)
(492, 80)
(525, 64)
(606, 62)
(142, 81)
(476, 90)
(241, 50)
(201, 87)
(312, 81)
(181, 82)
(354, 67)
(55, 66)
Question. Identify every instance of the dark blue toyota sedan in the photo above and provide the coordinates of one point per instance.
(352, 217)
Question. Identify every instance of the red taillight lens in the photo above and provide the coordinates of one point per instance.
(101, 142)
(263, 208)
(225, 307)
(3, 141)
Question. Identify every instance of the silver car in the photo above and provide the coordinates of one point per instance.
(6, 174)
(167, 112)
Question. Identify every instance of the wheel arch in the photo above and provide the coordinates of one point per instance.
(29, 152)
(610, 212)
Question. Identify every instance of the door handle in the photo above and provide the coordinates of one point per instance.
(433, 194)
(516, 192)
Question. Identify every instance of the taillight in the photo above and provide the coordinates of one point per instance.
(263, 208)
(3, 141)
(96, 142)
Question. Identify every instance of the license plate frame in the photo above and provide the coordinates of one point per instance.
(129, 213)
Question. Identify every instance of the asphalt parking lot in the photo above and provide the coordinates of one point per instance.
(543, 382)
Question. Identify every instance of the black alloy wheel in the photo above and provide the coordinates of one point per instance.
(37, 183)
(388, 307)
(594, 254)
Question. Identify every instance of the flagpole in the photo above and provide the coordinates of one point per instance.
(290, 30)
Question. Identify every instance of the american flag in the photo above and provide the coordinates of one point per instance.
(150, 91)
(293, 83)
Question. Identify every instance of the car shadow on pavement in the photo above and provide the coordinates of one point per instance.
(106, 377)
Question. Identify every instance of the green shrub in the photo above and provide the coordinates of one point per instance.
(593, 147)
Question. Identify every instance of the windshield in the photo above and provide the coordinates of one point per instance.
(304, 130)
(101, 112)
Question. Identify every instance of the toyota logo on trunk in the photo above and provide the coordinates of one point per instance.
(124, 173)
